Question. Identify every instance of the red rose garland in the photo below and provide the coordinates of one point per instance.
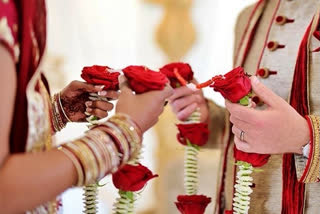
(141, 79)
(197, 133)
(183, 69)
(193, 204)
(192, 134)
(236, 87)
(101, 75)
(133, 176)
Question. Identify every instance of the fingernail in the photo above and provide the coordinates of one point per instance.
(99, 87)
(88, 103)
(255, 80)
(102, 93)
(89, 110)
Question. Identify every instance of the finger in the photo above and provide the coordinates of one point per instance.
(185, 113)
(180, 92)
(109, 94)
(167, 91)
(243, 146)
(242, 112)
(86, 86)
(183, 102)
(236, 131)
(105, 106)
(245, 126)
(97, 112)
(123, 85)
(264, 93)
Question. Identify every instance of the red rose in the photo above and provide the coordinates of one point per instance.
(100, 75)
(132, 178)
(257, 160)
(184, 70)
(141, 79)
(196, 133)
(233, 86)
(192, 204)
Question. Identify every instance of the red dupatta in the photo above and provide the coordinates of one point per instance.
(32, 38)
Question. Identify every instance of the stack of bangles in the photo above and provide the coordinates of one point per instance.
(104, 148)
(59, 117)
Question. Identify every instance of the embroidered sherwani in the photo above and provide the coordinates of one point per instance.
(268, 37)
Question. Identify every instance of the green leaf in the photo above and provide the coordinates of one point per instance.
(193, 145)
(130, 195)
(244, 101)
(95, 118)
(243, 163)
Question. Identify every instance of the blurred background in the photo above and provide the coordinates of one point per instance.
(119, 33)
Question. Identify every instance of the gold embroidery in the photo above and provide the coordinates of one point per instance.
(313, 172)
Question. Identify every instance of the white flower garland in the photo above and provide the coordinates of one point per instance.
(243, 187)
(191, 160)
(126, 200)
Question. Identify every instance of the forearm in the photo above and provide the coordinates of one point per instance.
(27, 180)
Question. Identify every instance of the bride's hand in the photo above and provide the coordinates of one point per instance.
(75, 101)
(144, 108)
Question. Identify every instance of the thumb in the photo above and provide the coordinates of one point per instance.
(123, 85)
(264, 93)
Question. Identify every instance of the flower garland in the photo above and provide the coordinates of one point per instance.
(192, 134)
(132, 177)
(235, 86)
(98, 75)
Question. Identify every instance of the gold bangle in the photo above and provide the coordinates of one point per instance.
(108, 146)
(87, 160)
(98, 155)
(64, 113)
(123, 141)
(127, 118)
(132, 136)
(76, 164)
(90, 159)
(56, 113)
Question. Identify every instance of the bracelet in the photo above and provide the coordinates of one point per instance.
(117, 133)
(87, 161)
(62, 109)
(108, 148)
(76, 164)
(100, 158)
(132, 137)
(57, 121)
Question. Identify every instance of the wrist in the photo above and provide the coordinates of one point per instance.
(304, 140)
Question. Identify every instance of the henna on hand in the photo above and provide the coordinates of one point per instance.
(74, 106)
